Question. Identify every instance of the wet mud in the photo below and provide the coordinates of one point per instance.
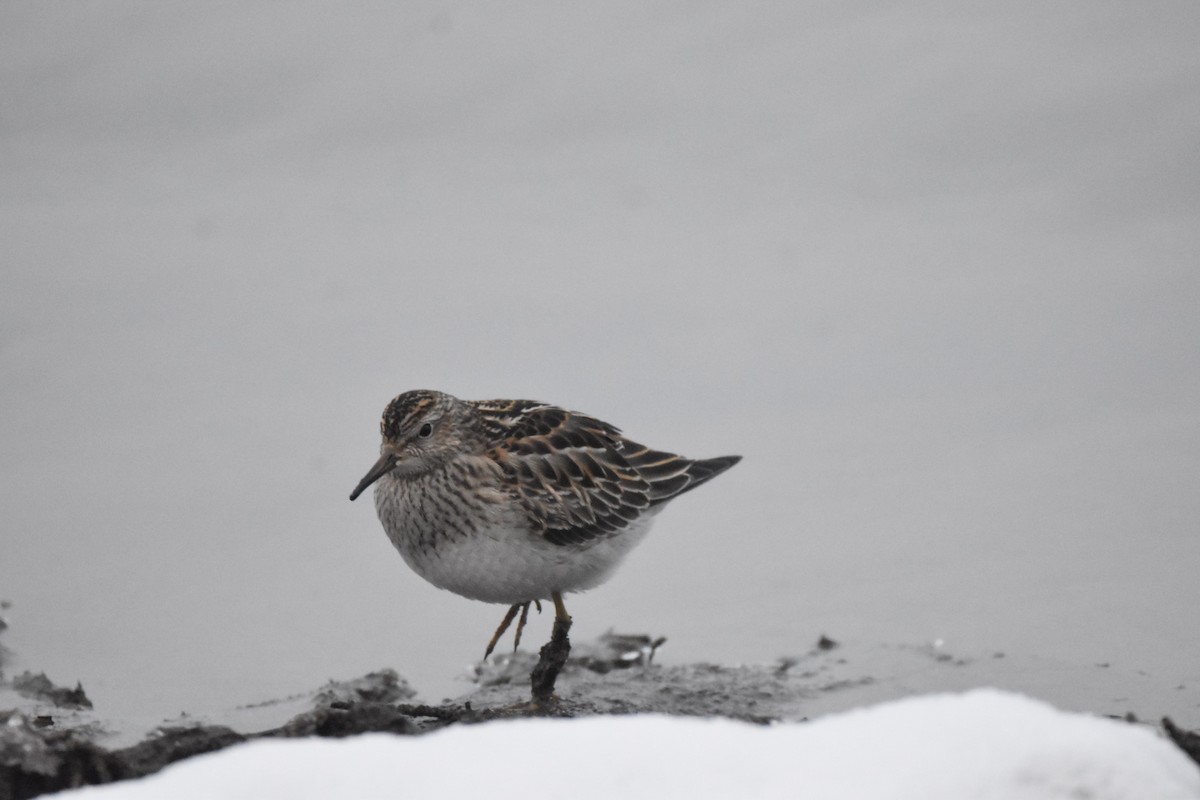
(51, 739)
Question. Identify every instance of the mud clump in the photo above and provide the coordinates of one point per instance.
(43, 753)
(39, 687)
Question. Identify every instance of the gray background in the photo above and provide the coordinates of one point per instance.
(930, 267)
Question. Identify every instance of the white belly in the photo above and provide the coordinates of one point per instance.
(496, 562)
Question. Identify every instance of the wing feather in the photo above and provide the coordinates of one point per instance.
(577, 477)
(566, 470)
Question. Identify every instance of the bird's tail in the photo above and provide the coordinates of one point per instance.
(670, 475)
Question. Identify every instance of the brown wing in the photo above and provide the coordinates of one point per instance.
(670, 475)
(566, 470)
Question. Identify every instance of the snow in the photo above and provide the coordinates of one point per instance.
(982, 744)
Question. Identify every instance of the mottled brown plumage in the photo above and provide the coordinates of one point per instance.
(516, 501)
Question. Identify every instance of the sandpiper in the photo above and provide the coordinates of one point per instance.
(516, 501)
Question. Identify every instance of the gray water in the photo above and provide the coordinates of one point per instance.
(932, 271)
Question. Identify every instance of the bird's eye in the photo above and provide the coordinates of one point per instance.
(426, 430)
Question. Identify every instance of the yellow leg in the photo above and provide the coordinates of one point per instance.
(504, 623)
(560, 610)
(521, 626)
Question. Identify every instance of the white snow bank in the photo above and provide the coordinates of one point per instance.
(983, 744)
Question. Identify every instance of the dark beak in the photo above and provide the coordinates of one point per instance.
(382, 467)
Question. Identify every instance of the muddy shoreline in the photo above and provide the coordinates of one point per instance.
(52, 739)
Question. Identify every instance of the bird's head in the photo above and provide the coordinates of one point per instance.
(421, 430)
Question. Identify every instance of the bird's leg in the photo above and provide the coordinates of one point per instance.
(560, 610)
(523, 619)
(521, 625)
(504, 623)
(553, 655)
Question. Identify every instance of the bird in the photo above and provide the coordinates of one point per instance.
(517, 501)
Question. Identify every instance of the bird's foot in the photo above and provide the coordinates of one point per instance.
(504, 623)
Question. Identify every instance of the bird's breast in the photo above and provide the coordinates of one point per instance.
(476, 541)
